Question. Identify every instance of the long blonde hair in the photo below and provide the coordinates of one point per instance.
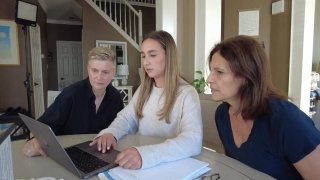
(172, 76)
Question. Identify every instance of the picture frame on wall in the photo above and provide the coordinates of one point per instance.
(9, 46)
(249, 22)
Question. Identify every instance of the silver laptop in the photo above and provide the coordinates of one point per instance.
(81, 159)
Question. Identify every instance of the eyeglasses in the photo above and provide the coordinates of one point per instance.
(214, 176)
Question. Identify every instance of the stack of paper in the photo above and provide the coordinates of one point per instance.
(186, 169)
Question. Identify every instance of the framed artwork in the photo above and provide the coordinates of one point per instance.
(9, 47)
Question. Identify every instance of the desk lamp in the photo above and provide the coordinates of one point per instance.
(123, 72)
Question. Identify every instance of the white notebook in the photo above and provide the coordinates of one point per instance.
(186, 169)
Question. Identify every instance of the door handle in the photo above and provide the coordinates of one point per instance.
(35, 84)
(62, 78)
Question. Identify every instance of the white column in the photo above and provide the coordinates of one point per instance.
(316, 39)
(207, 30)
(166, 16)
(302, 28)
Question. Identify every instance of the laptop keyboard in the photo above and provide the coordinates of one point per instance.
(85, 161)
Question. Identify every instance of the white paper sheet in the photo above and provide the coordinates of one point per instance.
(249, 23)
(186, 169)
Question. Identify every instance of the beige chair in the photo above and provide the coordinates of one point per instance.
(52, 96)
(210, 133)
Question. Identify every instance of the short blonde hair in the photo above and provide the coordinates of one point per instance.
(101, 53)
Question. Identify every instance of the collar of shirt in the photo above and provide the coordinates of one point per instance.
(89, 93)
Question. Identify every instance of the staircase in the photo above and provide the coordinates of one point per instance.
(123, 17)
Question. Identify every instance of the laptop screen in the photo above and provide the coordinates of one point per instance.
(6, 166)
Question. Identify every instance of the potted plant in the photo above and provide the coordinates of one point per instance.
(200, 83)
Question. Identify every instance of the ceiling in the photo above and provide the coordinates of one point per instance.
(62, 11)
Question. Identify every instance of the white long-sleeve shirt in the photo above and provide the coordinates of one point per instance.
(183, 134)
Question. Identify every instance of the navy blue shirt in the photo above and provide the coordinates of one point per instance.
(277, 140)
(74, 110)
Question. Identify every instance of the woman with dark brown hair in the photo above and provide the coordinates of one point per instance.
(256, 123)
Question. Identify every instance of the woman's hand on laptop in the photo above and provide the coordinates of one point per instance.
(33, 148)
(105, 142)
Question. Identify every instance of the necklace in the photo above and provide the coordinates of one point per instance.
(234, 114)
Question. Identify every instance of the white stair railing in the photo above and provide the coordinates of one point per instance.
(122, 16)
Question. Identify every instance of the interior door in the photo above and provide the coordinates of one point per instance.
(69, 56)
(35, 49)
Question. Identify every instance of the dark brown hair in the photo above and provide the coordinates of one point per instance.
(248, 60)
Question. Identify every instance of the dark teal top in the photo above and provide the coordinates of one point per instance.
(277, 140)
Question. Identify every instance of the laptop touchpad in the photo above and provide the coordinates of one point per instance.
(109, 156)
